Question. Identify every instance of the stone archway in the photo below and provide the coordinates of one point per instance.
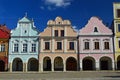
(2, 65)
(118, 62)
(71, 64)
(88, 63)
(33, 64)
(105, 63)
(58, 64)
(47, 64)
(17, 65)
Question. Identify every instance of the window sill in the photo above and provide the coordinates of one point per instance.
(71, 49)
(2, 51)
(15, 52)
(33, 52)
(58, 49)
(46, 49)
(86, 49)
(23, 52)
(96, 49)
(106, 49)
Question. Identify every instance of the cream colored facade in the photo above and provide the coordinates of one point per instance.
(116, 11)
(58, 53)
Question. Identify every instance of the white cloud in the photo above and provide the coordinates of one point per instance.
(57, 3)
(50, 8)
(42, 7)
(75, 28)
(54, 4)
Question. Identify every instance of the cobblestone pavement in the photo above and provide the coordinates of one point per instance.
(80, 75)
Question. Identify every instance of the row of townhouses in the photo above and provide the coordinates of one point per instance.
(59, 47)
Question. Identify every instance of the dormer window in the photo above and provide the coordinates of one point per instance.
(95, 29)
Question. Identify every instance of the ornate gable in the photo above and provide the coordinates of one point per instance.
(95, 27)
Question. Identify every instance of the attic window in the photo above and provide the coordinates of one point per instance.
(59, 22)
(25, 31)
(95, 29)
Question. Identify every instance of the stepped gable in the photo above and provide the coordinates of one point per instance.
(95, 26)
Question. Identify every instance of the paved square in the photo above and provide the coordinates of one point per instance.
(79, 75)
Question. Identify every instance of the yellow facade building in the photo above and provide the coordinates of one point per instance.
(116, 14)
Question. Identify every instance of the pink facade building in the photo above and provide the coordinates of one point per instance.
(96, 46)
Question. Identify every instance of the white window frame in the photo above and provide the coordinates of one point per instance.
(32, 47)
(2, 48)
(24, 49)
(16, 47)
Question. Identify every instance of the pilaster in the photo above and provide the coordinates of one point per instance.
(10, 67)
(52, 67)
(64, 67)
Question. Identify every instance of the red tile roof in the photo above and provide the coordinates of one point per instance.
(4, 32)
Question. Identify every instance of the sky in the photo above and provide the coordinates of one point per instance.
(77, 11)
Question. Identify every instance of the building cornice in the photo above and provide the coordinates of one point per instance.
(95, 35)
(59, 25)
(58, 53)
(24, 36)
(52, 37)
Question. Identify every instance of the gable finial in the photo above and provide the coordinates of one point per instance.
(26, 14)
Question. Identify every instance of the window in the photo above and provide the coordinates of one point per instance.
(62, 33)
(119, 43)
(59, 45)
(118, 27)
(2, 48)
(15, 47)
(71, 45)
(96, 45)
(95, 29)
(33, 48)
(118, 13)
(56, 33)
(25, 31)
(106, 45)
(24, 47)
(59, 22)
(86, 44)
(47, 45)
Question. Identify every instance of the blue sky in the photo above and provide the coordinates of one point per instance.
(77, 11)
